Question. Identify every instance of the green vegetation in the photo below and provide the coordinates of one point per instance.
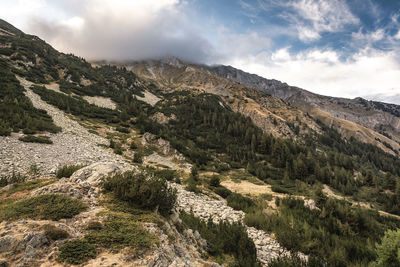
(36, 139)
(16, 110)
(141, 191)
(75, 105)
(339, 234)
(68, 170)
(21, 185)
(166, 174)
(389, 249)
(120, 230)
(239, 202)
(214, 181)
(224, 238)
(76, 252)
(204, 131)
(43, 207)
(54, 233)
(94, 225)
(14, 178)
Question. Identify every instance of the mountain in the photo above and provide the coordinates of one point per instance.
(378, 116)
(167, 163)
(371, 122)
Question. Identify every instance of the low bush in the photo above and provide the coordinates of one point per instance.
(68, 170)
(215, 181)
(36, 139)
(14, 178)
(146, 192)
(27, 185)
(94, 225)
(239, 202)
(138, 157)
(168, 175)
(192, 185)
(222, 191)
(122, 129)
(54, 233)
(44, 207)
(224, 238)
(279, 189)
(120, 231)
(76, 252)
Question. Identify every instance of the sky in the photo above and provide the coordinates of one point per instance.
(344, 48)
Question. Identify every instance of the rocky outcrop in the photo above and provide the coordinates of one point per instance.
(84, 183)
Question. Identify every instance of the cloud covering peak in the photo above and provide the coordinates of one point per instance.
(337, 47)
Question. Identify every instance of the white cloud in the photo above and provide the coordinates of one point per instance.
(321, 71)
(113, 29)
(369, 37)
(316, 16)
(307, 34)
(397, 36)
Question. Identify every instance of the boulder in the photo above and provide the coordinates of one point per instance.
(96, 172)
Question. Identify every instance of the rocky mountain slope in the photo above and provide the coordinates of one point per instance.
(163, 163)
(378, 116)
(269, 113)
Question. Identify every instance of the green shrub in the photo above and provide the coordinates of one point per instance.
(279, 189)
(54, 233)
(27, 185)
(222, 191)
(14, 178)
(36, 139)
(122, 129)
(258, 220)
(28, 131)
(133, 145)
(192, 185)
(76, 252)
(295, 260)
(224, 238)
(146, 192)
(239, 202)
(94, 225)
(168, 175)
(43, 207)
(4, 130)
(138, 158)
(68, 170)
(215, 181)
(120, 231)
(389, 249)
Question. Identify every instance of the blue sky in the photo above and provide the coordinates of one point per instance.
(343, 48)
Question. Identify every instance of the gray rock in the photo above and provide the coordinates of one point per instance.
(37, 240)
(8, 243)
